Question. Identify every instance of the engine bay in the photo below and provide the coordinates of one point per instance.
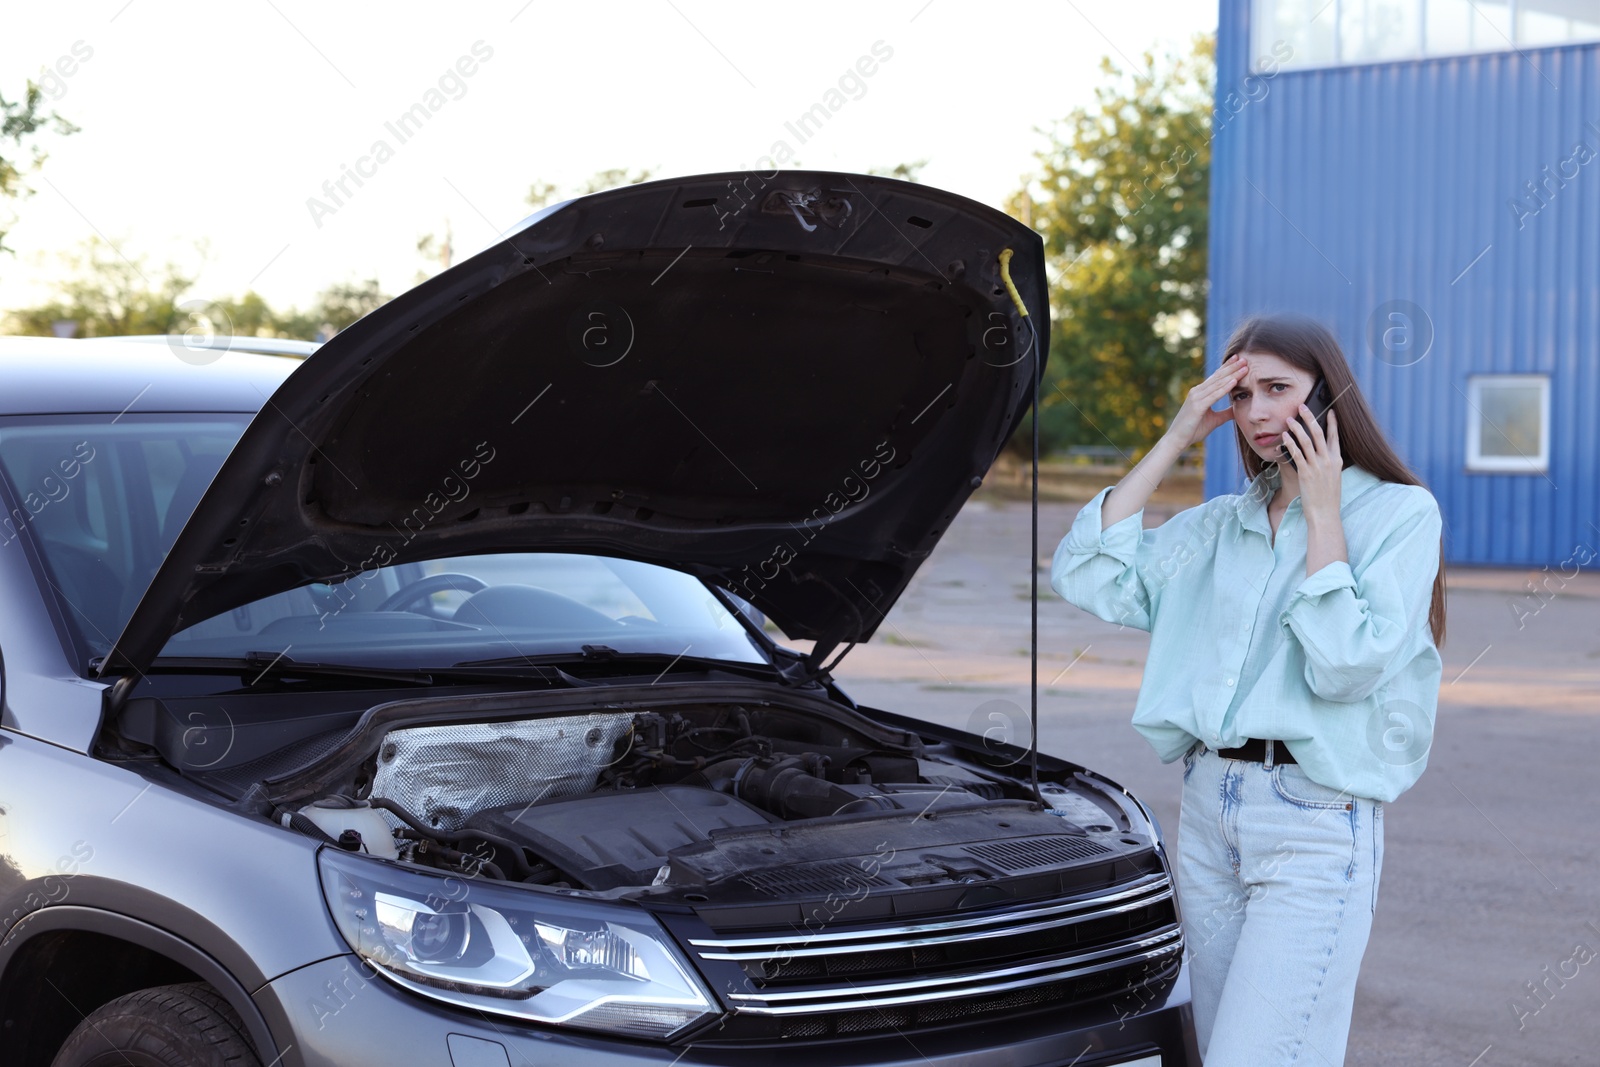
(704, 802)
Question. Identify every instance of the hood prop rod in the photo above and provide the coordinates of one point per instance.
(1033, 551)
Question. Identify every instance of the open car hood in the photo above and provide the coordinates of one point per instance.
(786, 384)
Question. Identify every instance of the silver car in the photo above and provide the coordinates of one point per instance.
(418, 702)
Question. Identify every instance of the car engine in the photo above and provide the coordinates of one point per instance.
(720, 802)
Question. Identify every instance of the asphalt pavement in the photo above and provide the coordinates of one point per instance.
(1485, 951)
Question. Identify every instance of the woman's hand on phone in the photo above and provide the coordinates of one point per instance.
(1317, 460)
(1196, 418)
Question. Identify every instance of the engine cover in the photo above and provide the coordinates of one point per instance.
(607, 840)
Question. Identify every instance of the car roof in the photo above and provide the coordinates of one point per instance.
(50, 375)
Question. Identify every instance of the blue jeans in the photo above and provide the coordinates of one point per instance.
(1277, 881)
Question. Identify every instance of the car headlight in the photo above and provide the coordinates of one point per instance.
(519, 952)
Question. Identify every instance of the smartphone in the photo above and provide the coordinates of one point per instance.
(1320, 400)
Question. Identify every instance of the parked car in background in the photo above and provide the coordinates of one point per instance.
(409, 703)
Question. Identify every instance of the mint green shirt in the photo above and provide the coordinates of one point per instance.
(1340, 664)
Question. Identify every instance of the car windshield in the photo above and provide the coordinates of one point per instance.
(512, 607)
(104, 497)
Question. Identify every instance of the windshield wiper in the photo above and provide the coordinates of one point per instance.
(253, 667)
(607, 654)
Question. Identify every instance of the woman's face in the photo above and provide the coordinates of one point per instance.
(1266, 398)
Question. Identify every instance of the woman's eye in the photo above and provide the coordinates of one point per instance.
(1279, 385)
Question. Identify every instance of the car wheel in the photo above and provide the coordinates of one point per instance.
(188, 1025)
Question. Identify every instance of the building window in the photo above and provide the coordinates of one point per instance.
(1327, 33)
(1508, 422)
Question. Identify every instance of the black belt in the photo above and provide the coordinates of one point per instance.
(1255, 749)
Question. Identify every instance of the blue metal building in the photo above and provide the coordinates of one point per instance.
(1424, 177)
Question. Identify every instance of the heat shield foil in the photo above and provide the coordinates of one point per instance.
(443, 774)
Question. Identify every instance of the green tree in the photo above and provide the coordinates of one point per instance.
(1121, 201)
(333, 310)
(110, 294)
(249, 316)
(343, 303)
(20, 123)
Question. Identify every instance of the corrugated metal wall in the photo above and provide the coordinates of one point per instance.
(1337, 190)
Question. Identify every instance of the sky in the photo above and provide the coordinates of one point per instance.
(260, 144)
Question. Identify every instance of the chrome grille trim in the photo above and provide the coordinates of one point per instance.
(1151, 890)
(1164, 943)
(940, 939)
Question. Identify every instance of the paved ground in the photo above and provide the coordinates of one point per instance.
(1491, 875)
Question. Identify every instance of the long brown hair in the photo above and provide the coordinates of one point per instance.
(1310, 346)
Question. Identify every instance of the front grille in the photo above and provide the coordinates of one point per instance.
(948, 969)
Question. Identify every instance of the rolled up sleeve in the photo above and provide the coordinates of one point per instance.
(1097, 570)
(1358, 631)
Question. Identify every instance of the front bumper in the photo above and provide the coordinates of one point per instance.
(335, 1014)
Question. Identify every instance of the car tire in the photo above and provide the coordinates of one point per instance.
(167, 1026)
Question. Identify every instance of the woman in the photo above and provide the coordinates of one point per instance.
(1293, 666)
